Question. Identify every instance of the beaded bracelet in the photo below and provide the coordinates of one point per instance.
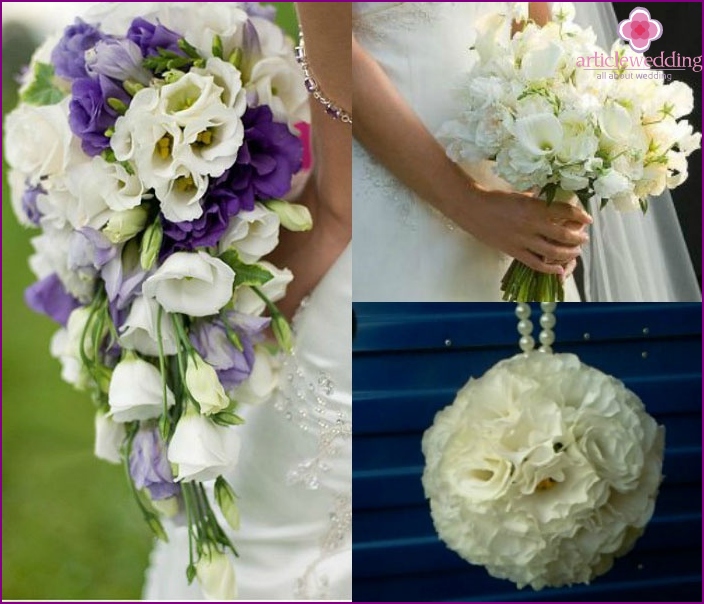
(312, 86)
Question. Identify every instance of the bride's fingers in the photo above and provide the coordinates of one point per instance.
(538, 263)
(563, 235)
(554, 252)
(569, 269)
(564, 212)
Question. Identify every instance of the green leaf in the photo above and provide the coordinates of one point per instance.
(644, 204)
(43, 90)
(548, 192)
(245, 274)
(227, 419)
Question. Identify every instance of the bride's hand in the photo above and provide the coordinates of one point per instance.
(547, 238)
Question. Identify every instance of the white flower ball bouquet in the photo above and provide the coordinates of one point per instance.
(152, 146)
(543, 470)
(553, 125)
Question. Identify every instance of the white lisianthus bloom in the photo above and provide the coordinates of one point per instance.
(539, 134)
(610, 184)
(543, 470)
(194, 284)
(136, 391)
(229, 78)
(204, 386)
(615, 123)
(562, 12)
(202, 450)
(139, 331)
(109, 436)
(248, 303)
(216, 576)
(541, 62)
(653, 180)
(38, 140)
(252, 234)
(280, 86)
(263, 380)
(579, 142)
(181, 193)
(73, 371)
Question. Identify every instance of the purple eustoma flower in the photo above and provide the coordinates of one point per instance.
(118, 59)
(29, 203)
(210, 339)
(255, 9)
(266, 162)
(49, 297)
(150, 37)
(68, 57)
(149, 466)
(90, 116)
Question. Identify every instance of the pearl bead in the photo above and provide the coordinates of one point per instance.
(526, 343)
(547, 338)
(525, 327)
(548, 306)
(547, 321)
(522, 310)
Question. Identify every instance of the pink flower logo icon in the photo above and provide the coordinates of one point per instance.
(639, 30)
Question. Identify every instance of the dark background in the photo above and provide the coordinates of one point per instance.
(682, 32)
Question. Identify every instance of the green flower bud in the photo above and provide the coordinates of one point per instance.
(166, 507)
(126, 224)
(117, 105)
(151, 245)
(227, 502)
(282, 332)
(132, 87)
(293, 216)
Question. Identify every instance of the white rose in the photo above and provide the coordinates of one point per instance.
(194, 284)
(262, 381)
(204, 386)
(202, 450)
(216, 576)
(109, 437)
(139, 331)
(249, 303)
(252, 234)
(38, 140)
(137, 392)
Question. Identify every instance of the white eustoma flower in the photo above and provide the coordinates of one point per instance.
(252, 234)
(73, 371)
(280, 86)
(229, 78)
(136, 391)
(262, 381)
(109, 436)
(616, 123)
(542, 62)
(204, 386)
(610, 184)
(38, 140)
(216, 576)
(139, 331)
(201, 450)
(249, 303)
(539, 134)
(191, 283)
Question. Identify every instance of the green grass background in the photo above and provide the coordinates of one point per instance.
(70, 527)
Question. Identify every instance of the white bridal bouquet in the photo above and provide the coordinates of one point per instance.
(551, 124)
(152, 150)
(543, 470)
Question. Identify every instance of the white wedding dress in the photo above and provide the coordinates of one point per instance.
(294, 476)
(406, 251)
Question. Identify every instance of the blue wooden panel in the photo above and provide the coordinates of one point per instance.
(410, 359)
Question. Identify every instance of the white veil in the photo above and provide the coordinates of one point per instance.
(634, 257)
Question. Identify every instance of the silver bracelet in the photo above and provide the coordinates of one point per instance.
(331, 108)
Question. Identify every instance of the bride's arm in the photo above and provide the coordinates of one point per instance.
(519, 225)
(328, 192)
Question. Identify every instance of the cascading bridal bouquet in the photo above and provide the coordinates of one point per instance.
(543, 470)
(153, 150)
(552, 125)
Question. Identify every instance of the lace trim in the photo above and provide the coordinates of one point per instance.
(314, 584)
(375, 25)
